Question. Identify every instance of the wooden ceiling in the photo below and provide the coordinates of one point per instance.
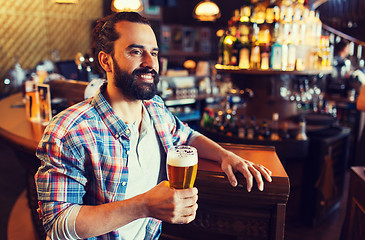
(346, 16)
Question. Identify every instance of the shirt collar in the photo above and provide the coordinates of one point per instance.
(116, 126)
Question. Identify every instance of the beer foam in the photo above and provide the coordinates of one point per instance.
(182, 156)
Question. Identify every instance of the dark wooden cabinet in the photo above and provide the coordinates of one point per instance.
(226, 212)
(354, 224)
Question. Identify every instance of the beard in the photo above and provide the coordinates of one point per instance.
(132, 87)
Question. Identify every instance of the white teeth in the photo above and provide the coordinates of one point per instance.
(146, 76)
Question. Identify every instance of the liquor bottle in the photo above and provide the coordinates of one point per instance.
(207, 121)
(244, 54)
(259, 12)
(291, 54)
(264, 131)
(255, 56)
(242, 127)
(264, 28)
(32, 101)
(302, 136)
(274, 135)
(227, 48)
(273, 19)
(245, 25)
(311, 28)
(233, 122)
(246, 32)
(276, 56)
(299, 16)
(217, 121)
(318, 28)
(265, 57)
(221, 48)
(236, 49)
(252, 129)
(284, 56)
(284, 134)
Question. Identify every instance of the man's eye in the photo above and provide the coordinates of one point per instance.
(136, 52)
(155, 54)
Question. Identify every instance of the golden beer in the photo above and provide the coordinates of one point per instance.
(182, 166)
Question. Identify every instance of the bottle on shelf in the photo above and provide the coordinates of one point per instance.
(265, 57)
(255, 51)
(217, 123)
(273, 19)
(284, 133)
(236, 50)
(245, 29)
(221, 47)
(242, 127)
(291, 54)
(274, 132)
(302, 135)
(227, 48)
(252, 129)
(287, 28)
(264, 131)
(259, 11)
(244, 54)
(276, 56)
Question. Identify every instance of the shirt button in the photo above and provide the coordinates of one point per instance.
(124, 183)
(128, 131)
(128, 152)
(117, 135)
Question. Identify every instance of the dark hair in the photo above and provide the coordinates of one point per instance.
(104, 34)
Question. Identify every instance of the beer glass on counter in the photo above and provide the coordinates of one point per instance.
(182, 166)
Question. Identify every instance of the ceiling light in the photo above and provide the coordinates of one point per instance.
(206, 11)
(127, 6)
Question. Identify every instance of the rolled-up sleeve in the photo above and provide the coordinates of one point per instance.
(60, 180)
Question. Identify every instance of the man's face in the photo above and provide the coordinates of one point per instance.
(135, 60)
(132, 87)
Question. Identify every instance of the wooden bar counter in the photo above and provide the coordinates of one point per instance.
(224, 212)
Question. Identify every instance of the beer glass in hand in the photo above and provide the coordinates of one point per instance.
(182, 166)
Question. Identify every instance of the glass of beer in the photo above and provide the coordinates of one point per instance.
(182, 166)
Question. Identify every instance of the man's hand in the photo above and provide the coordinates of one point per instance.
(232, 163)
(172, 205)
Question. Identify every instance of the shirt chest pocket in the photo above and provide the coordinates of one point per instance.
(114, 179)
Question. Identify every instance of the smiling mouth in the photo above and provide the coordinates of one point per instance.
(147, 77)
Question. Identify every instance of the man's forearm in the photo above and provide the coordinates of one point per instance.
(97, 220)
(208, 149)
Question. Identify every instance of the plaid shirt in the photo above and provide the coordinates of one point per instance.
(84, 154)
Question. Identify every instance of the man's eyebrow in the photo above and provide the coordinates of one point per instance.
(141, 47)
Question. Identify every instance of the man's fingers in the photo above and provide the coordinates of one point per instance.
(186, 214)
(230, 175)
(264, 171)
(187, 193)
(257, 175)
(248, 176)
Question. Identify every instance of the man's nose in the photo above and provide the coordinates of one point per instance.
(149, 61)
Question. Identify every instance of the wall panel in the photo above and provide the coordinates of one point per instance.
(32, 29)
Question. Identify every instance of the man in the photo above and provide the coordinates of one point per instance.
(103, 160)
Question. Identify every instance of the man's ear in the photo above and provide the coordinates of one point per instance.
(105, 61)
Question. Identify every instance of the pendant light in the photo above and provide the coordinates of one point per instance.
(127, 6)
(206, 11)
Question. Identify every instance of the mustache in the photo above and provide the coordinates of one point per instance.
(144, 71)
